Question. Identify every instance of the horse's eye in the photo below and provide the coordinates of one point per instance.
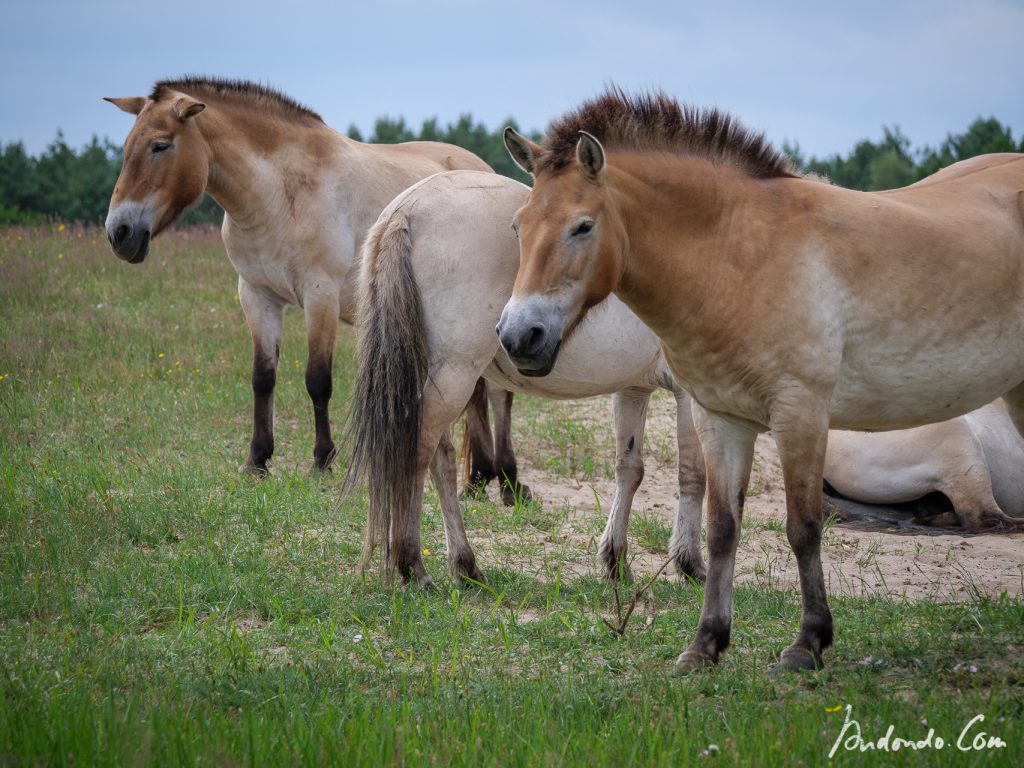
(583, 227)
(160, 146)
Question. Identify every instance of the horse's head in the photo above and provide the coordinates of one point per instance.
(571, 242)
(164, 172)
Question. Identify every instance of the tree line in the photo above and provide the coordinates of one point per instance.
(75, 185)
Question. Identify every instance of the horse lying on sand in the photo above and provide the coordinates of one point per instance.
(298, 198)
(437, 268)
(782, 303)
(975, 461)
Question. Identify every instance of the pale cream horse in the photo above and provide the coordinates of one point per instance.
(782, 303)
(976, 461)
(298, 199)
(437, 268)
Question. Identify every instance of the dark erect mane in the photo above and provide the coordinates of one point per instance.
(243, 91)
(654, 122)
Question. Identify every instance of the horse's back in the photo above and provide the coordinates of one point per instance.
(434, 154)
(985, 165)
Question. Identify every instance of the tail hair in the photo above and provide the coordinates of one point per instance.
(386, 411)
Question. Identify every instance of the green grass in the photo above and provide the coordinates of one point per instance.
(158, 608)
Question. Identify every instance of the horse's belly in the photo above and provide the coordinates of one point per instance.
(874, 393)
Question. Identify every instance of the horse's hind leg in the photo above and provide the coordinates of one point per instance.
(444, 399)
(444, 471)
(684, 546)
(264, 318)
(481, 443)
(504, 455)
(629, 408)
(321, 327)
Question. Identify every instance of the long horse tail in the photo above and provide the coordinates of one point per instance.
(384, 422)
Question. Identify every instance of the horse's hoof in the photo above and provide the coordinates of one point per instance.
(799, 659)
(258, 471)
(323, 463)
(691, 661)
(472, 577)
(690, 570)
(616, 569)
(511, 496)
(474, 492)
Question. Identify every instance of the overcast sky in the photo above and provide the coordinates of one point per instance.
(823, 74)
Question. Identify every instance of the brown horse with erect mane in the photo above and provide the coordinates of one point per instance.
(298, 199)
(782, 303)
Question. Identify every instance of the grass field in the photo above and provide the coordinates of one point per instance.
(158, 608)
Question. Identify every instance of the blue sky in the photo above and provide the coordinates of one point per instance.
(823, 74)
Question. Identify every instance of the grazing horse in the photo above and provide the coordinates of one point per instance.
(437, 268)
(782, 303)
(974, 461)
(298, 198)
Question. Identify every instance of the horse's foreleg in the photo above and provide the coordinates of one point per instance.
(800, 429)
(444, 471)
(321, 327)
(504, 454)
(629, 410)
(684, 546)
(264, 318)
(728, 452)
(481, 443)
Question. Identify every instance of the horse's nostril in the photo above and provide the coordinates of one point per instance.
(535, 339)
(121, 233)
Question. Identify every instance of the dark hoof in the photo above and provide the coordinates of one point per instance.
(476, 491)
(323, 463)
(691, 661)
(799, 659)
(424, 582)
(688, 569)
(517, 494)
(258, 471)
(472, 577)
(616, 568)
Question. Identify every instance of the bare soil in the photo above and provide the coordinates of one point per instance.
(944, 566)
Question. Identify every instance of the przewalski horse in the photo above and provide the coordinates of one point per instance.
(298, 199)
(782, 303)
(437, 268)
(975, 461)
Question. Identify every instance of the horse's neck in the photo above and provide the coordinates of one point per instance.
(672, 217)
(256, 171)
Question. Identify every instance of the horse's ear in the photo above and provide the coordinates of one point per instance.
(590, 156)
(130, 104)
(185, 108)
(524, 152)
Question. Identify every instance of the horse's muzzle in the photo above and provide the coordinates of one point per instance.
(531, 343)
(129, 243)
